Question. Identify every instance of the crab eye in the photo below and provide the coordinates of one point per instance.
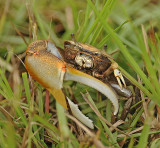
(67, 44)
(97, 54)
(29, 52)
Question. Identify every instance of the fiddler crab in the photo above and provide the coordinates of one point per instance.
(50, 66)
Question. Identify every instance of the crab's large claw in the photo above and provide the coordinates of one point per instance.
(76, 75)
(49, 71)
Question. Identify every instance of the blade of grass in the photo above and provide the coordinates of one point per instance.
(155, 143)
(145, 133)
(104, 40)
(147, 59)
(137, 117)
(99, 26)
(26, 87)
(9, 95)
(39, 21)
(98, 105)
(138, 135)
(2, 139)
(46, 124)
(62, 121)
(11, 139)
(107, 7)
(85, 25)
(135, 82)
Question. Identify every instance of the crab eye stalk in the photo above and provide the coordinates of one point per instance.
(28, 52)
(97, 54)
(105, 46)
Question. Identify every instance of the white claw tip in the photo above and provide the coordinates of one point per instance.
(115, 111)
(79, 115)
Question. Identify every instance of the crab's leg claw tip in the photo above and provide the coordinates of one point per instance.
(119, 78)
(122, 79)
(79, 115)
(119, 82)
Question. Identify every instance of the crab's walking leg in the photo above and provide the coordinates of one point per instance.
(125, 92)
(119, 78)
(117, 74)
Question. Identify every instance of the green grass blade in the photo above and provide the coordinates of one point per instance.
(46, 123)
(62, 121)
(11, 139)
(26, 87)
(145, 133)
(106, 11)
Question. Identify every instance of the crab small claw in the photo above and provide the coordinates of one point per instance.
(119, 78)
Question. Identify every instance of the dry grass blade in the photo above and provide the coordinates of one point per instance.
(6, 65)
(119, 122)
(143, 98)
(19, 33)
(132, 132)
(100, 116)
(8, 116)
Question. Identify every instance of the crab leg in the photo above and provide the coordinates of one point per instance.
(119, 78)
(117, 74)
(125, 92)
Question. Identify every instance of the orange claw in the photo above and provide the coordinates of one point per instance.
(48, 70)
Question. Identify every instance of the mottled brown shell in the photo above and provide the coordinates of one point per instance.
(100, 60)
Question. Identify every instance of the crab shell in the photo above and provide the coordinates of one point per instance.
(97, 61)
